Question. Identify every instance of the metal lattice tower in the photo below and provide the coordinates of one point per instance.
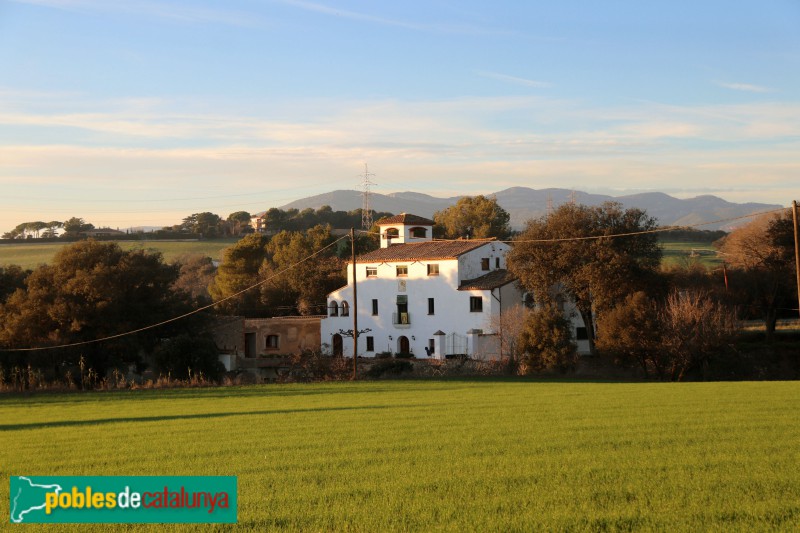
(366, 210)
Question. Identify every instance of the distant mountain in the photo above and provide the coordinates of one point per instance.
(523, 203)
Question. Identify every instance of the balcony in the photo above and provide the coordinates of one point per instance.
(401, 320)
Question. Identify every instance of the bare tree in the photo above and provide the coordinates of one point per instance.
(695, 328)
(508, 327)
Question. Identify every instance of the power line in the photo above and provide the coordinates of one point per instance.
(185, 315)
(633, 233)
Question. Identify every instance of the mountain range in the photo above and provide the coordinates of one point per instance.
(524, 203)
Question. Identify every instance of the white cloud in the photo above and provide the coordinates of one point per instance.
(515, 80)
(745, 87)
(129, 149)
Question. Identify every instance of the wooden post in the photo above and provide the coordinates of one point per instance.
(355, 304)
(796, 251)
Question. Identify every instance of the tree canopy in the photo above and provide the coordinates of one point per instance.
(762, 256)
(596, 272)
(90, 291)
(478, 217)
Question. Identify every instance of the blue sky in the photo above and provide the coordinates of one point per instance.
(140, 112)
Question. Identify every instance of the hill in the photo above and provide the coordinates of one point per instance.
(523, 203)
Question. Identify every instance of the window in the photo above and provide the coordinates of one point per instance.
(402, 270)
(497, 262)
(370, 344)
(581, 334)
(528, 300)
(475, 304)
(430, 349)
(372, 272)
(485, 263)
(345, 309)
(392, 233)
(374, 307)
(333, 309)
(433, 269)
(419, 233)
(272, 342)
(430, 306)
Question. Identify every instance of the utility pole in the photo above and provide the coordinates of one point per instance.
(355, 304)
(796, 251)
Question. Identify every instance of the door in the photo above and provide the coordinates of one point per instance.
(249, 344)
(337, 345)
(403, 345)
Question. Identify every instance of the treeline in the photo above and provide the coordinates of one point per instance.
(692, 235)
(95, 290)
(276, 220)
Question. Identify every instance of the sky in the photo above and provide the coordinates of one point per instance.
(142, 112)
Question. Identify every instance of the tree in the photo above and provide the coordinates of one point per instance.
(300, 285)
(479, 217)
(93, 290)
(196, 273)
(595, 272)
(508, 327)
(238, 221)
(75, 226)
(240, 269)
(762, 255)
(12, 277)
(695, 327)
(52, 226)
(546, 340)
(631, 333)
(205, 224)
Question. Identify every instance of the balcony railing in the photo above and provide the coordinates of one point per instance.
(401, 319)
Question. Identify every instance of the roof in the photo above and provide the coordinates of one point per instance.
(404, 218)
(422, 250)
(492, 280)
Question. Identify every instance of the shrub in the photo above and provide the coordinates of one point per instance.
(393, 367)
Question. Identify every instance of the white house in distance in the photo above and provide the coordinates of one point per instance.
(423, 297)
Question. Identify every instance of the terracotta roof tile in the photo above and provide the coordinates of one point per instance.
(492, 280)
(405, 218)
(422, 250)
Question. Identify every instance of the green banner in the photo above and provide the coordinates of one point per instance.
(122, 499)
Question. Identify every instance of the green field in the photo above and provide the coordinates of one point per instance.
(440, 455)
(30, 255)
(686, 252)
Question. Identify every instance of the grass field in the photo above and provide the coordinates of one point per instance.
(447, 455)
(684, 252)
(30, 255)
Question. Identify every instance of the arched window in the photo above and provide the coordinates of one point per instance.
(419, 233)
(333, 309)
(528, 300)
(345, 309)
(392, 233)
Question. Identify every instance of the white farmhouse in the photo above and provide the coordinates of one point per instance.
(422, 297)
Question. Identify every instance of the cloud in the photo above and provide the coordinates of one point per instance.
(515, 80)
(465, 29)
(746, 87)
(125, 149)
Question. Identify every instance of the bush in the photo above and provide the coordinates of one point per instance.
(393, 367)
(184, 355)
(546, 341)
